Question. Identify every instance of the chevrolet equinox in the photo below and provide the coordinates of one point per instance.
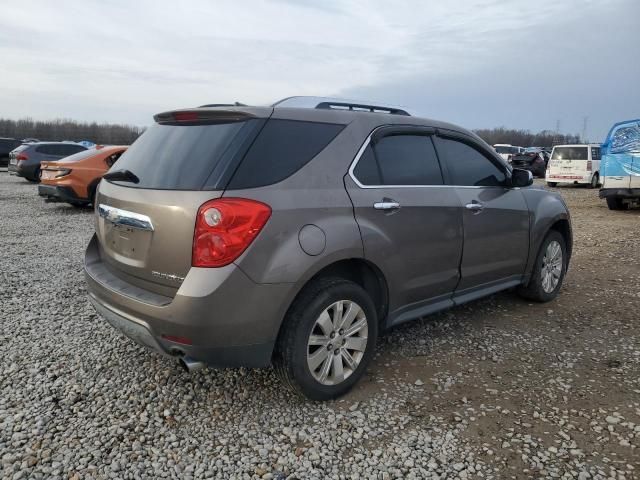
(286, 236)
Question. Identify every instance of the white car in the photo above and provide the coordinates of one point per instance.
(506, 150)
(578, 164)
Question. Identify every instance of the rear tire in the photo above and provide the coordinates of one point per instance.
(595, 180)
(315, 354)
(36, 176)
(548, 271)
(616, 203)
(552, 184)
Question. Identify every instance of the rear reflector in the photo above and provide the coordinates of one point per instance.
(225, 227)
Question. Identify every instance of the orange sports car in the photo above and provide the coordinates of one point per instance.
(74, 179)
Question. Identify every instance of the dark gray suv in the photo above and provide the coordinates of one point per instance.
(250, 236)
(25, 160)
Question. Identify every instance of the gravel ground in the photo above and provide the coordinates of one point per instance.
(499, 388)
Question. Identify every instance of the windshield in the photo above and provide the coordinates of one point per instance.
(570, 153)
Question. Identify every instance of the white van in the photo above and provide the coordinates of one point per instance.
(574, 164)
(506, 150)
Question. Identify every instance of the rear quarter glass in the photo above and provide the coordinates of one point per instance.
(282, 148)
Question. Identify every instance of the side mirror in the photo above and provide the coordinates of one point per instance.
(521, 178)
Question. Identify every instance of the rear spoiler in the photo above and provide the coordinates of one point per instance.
(200, 116)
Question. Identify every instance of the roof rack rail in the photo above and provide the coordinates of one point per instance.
(323, 103)
(361, 107)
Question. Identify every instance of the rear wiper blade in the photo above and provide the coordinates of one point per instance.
(122, 176)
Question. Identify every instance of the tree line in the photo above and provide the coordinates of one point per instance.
(63, 129)
(122, 134)
(525, 138)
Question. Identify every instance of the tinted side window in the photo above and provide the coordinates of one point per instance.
(47, 149)
(111, 159)
(408, 160)
(280, 150)
(70, 149)
(595, 153)
(366, 170)
(468, 166)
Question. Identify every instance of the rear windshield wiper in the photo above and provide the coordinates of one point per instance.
(122, 176)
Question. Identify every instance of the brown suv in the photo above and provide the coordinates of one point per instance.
(250, 236)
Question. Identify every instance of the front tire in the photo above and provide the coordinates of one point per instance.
(552, 184)
(549, 269)
(327, 340)
(595, 180)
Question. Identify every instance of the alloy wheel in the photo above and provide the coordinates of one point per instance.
(337, 342)
(551, 266)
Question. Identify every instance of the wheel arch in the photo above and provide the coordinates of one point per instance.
(358, 270)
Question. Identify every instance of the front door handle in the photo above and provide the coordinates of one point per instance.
(475, 207)
(386, 205)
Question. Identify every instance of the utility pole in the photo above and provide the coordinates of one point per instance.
(584, 129)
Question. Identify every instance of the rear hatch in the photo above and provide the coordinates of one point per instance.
(145, 228)
(13, 155)
(570, 162)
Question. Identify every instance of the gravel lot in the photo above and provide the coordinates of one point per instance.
(499, 388)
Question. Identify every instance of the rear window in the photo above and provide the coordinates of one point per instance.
(506, 149)
(570, 153)
(280, 150)
(76, 157)
(70, 149)
(182, 157)
(21, 148)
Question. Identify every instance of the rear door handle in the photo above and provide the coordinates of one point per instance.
(475, 207)
(386, 205)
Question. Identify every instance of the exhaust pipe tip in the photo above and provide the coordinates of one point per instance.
(190, 365)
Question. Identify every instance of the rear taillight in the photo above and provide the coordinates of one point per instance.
(21, 157)
(225, 227)
(589, 165)
(61, 172)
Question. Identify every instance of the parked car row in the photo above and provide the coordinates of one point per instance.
(256, 236)
(25, 160)
(67, 171)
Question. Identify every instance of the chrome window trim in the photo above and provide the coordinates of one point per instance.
(364, 146)
(125, 217)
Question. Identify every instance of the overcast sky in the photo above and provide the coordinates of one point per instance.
(477, 63)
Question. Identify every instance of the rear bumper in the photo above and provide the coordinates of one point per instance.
(14, 170)
(62, 194)
(619, 192)
(228, 319)
(569, 178)
(23, 169)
